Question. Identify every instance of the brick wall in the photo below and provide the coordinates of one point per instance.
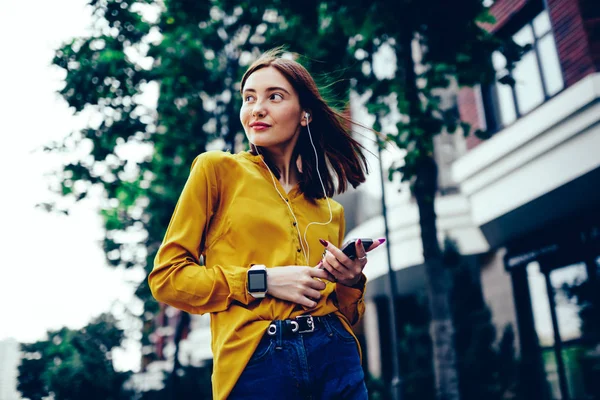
(590, 12)
(571, 40)
(576, 25)
(468, 109)
(503, 10)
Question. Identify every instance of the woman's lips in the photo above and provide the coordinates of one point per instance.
(259, 126)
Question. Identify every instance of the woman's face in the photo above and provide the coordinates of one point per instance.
(271, 112)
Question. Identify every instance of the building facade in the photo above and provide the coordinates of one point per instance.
(522, 205)
(10, 358)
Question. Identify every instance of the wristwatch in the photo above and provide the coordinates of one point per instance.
(257, 281)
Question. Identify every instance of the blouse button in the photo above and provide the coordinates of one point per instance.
(298, 250)
(294, 223)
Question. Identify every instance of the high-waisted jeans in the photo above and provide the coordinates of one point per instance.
(323, 364)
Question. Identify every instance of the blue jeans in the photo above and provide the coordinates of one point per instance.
(323, 364)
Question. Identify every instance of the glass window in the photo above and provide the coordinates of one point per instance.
(550, 65)
(537, 76)
(504, 93)
(541, 24)
(528, 83)
(524, 36)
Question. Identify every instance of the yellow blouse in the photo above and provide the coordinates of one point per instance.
(230, 213)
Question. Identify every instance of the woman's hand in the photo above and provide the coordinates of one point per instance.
(296, 284)
(344, 270)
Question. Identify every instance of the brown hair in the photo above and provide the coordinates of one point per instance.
(336, 148)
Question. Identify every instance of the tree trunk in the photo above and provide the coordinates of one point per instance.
(439, 281)
(438, 278)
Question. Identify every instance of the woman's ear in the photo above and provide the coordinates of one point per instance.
(305, 118)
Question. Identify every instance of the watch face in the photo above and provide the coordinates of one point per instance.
(257, 281)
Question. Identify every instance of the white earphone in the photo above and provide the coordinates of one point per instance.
(305, 250)
(322, 186)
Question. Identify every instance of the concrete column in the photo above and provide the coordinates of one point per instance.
(373, 343)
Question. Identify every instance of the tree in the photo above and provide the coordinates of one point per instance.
(74, 364)
(455, 48)
(487, 367)
(586, 295)
(195, 53)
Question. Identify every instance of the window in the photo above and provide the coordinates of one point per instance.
(537, 75)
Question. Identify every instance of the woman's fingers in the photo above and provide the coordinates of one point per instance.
(323, 273)
(336, 269)
(298, 284)
(376, 244)
(305, 301)
(333, 262)
(336, 276)
(312, 294)
(345, 270)
(318, 284)
(337, 253)
(360, 251)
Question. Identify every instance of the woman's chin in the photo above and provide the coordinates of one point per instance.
(262, 142)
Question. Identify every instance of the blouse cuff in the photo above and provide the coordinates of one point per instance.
(351, 294)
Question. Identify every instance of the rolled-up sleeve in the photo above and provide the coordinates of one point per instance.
(351, 302)
(177, 279)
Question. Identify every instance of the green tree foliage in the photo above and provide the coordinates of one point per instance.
(487, 368)
(415, 347)
(453, 47)
(74, 364)
(586, 293)
(195, 53)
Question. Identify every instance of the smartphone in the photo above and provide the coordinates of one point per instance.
(349, 248)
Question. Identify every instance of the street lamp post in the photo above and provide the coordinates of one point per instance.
(396, 384)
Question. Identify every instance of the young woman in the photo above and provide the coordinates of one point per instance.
(281, 293)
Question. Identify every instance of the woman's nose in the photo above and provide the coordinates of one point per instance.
(259, 110)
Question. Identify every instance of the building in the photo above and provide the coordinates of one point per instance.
(522, 205)
(9, 362)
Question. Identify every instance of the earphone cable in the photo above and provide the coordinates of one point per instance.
(322, 186)
(289, 207)
(303, 239)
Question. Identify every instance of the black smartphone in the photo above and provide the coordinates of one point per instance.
(349, 248)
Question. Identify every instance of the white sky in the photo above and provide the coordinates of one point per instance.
(52, 269)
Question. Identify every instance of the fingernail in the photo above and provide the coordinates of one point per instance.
(324, 242)
(359, 242)
(382, 240)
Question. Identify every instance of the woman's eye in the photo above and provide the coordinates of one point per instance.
(248, 98)
(276, 96)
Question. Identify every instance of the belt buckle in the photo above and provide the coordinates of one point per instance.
(310, 323)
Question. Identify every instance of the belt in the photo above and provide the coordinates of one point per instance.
(301, 324)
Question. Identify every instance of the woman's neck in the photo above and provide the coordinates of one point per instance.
(288, 171)
(285, 162)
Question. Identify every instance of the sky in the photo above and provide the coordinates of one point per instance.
(53, 271)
